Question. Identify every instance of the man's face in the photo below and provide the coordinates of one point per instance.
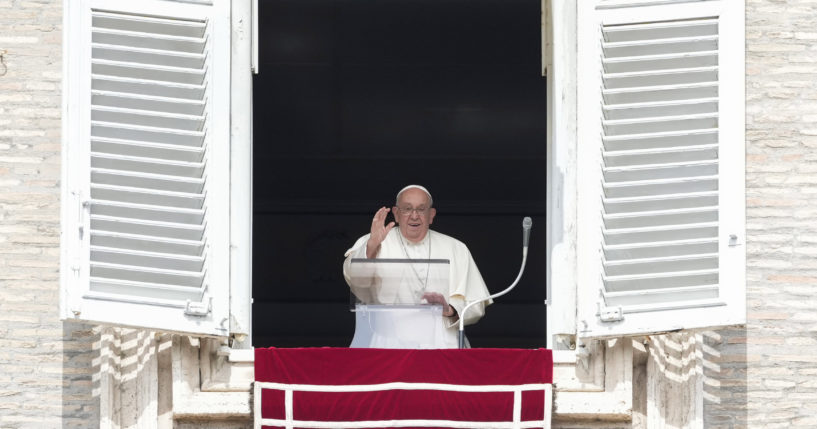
(413, 214)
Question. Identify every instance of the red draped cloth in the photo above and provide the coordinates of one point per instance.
(344, 387)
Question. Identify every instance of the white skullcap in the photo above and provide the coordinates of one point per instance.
(430, 200)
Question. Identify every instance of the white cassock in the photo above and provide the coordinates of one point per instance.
(465, 285)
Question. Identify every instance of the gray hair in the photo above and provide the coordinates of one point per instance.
(430, 200)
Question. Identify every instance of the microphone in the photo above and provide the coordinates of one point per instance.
(526, 224)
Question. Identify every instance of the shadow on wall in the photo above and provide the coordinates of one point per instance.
(725, 378)
(80, 364)
(672, 372)
(123, 377)
(110, 376)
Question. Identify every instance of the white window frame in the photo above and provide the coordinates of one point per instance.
(561, 226)
(244, 62)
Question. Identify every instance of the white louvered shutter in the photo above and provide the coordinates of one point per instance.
(661, 166)
(146, 165)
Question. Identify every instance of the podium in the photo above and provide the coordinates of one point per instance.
(392, 304)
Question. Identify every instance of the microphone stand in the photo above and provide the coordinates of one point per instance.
(526, 225)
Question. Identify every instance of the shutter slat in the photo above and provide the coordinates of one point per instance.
(663, 123)
(661, 217)
(102, 36)
(654, 188)
(126, 85)
(155, 57)
(147, 243)
(657, 172)
(661, 62)
(147, 197)
(674, 279)
(661, 155)
(148, 134)
(652, 78)
(660, 140)
(148, 293)
(613, 153)
(147, 150)
(685, 92)
(147, 274)
(166, 261)
(660, 109)
(113, 189)
(151, 294)
(660, 233)
(147, 180)
(646, 125)
(652, 297)
(150, 25)
(147, 118)
(147, 212)
(135, 102)
(147, 228)
(660, 249)
(696, 305)
(659, 30)
(158, 74)
(156, 166)
(660, 47)
(660, 202)
(661, 265)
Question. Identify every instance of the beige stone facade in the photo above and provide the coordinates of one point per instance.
(46, 366)
(762, 375)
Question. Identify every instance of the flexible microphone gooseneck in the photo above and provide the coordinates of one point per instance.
(526, 226)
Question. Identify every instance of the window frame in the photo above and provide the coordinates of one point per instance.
(560, 36)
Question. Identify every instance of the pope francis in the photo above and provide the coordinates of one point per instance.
(414, 240)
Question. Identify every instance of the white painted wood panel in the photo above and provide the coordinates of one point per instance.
(147, 153)
(660, 152)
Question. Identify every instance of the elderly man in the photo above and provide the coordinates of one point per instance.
(412, 239)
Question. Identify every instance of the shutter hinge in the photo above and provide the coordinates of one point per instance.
(733, 240)
(610, 314)
(199, 309)
(73, 301)
(76, 267)
(83, 211)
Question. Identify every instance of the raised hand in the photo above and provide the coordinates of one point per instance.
(378, 232)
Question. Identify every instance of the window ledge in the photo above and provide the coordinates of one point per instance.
(242, 355)
(214, 405)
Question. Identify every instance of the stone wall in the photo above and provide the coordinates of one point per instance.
(45, 365)
(764, 375)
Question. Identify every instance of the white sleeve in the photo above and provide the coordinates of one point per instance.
(468, 287)
(355, 252)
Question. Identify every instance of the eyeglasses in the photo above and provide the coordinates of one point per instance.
(405, 211)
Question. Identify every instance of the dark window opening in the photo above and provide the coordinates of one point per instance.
(357, 98)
